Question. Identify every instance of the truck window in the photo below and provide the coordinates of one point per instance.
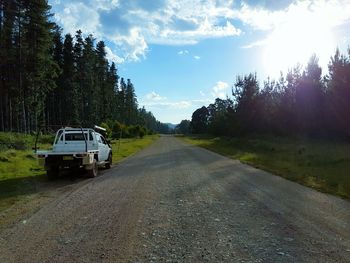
(99, 139)
(103, 140)
(77, 137)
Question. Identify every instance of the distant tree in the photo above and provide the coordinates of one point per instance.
(220, 119)
(199, 122)
(309, 99)
(338, 94)
(246, 103)
(184, 127)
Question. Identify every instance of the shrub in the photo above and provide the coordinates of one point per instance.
(108, 129)
(116, 129)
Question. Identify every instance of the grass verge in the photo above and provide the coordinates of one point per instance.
(128, 147)
(322, 165)
(20, 173)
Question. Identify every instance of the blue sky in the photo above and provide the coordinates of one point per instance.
(182, 54)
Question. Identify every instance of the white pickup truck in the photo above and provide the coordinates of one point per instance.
(76, 148)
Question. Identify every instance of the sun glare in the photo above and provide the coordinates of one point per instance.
(295, 40)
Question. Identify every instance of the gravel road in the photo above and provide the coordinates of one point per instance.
(173, 202)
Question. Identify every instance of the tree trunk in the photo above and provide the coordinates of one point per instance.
(10, 114)
(2, 114)
(24, 117)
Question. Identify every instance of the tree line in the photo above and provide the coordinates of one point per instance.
(300, 103)
(50, 79)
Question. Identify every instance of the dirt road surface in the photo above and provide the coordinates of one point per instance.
(174, 202)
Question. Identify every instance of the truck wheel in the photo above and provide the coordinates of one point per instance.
(93, 172)
(52, 173)
(109, 162)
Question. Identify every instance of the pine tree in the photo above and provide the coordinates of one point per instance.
(41, 70)
(80, 99)
(70, 92)
(89, 90)
(131, 103)
(55, 102)
(122, 108)
(104, 96)
(338, 94)
(112, 90)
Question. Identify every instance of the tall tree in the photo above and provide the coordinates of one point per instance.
(105, 96)
(309, 99)
(41, 70)
(245, 96)
(55, 102)
(70, 90)
(112, 91)
(130, 103)
(338, 93)
(199, 122)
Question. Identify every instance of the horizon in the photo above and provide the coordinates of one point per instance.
(181, 56)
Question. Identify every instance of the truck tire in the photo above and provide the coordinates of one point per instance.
(109, 161)
(52, 173)
(93, 172)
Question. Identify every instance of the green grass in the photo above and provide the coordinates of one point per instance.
(323, 165)
(20, 172)
(128, 147)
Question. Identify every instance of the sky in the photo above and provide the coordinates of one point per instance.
(182, 54)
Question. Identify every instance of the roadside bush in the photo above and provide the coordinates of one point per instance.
(116, 129)
(108, 129)
(46, 138)
(143, 132)
(126, 131)
(15, 141)
(135, 130)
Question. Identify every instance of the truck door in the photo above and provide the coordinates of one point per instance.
(103, 147)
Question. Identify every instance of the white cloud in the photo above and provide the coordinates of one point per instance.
(131, 26)
(133, 45)
(75, 16)
(205, 29)
(104, 4)
(180, 104)
(256, 44)
(153, 96)
(335, 12)
(183, 104)
(197, 57)
(113, 57)
(182, 52)
(220, 90)
(154, 100)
